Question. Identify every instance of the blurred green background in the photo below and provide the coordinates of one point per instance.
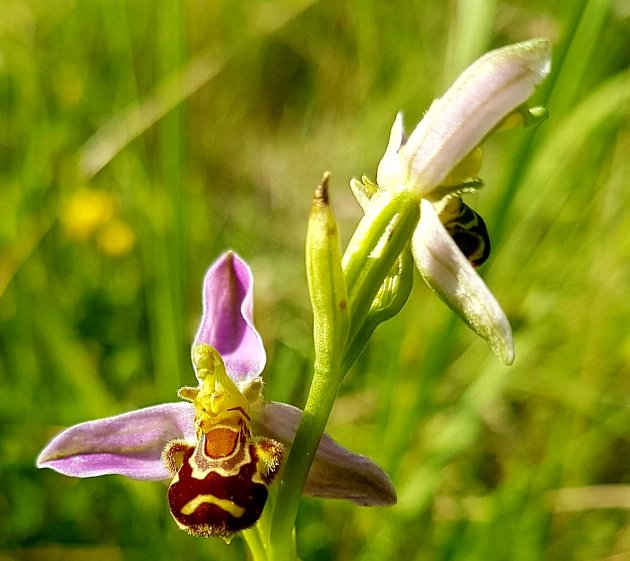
(141, 139)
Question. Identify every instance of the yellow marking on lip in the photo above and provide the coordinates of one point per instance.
(229, 506)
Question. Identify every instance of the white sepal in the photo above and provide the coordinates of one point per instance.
(482, 95)
(447, 271)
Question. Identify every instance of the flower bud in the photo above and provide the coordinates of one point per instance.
(326, 283)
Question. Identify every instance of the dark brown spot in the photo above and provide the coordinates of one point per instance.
(321, 192)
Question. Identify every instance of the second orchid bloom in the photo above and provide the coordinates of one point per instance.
(437, 163)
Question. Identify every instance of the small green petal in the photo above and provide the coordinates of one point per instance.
(363, 191)
(524, 116)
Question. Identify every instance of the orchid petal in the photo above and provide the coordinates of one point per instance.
(336, 473)
(363, 191)
(484, 93)
(390, 171)
(130, 444)
(227, 323)
(447, 271)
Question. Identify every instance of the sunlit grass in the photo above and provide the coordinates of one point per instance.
(208, 125)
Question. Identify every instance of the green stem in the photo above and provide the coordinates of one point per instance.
(378, 241)
(328, 297)
(255, 544)
(389, 301)
(316, 412)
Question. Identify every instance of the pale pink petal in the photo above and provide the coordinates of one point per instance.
(484, 93)
(336, 473)
(390, 170)
(130, 444)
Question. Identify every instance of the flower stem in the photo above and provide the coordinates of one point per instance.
(331, 320)
(255, 544)
(380, 237)
(316, 412)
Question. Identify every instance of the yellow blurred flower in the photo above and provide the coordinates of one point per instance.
(85, 211)
(116, 238)
(91, 213)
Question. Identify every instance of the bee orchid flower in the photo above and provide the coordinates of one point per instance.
(223, 445)
(439, 161)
